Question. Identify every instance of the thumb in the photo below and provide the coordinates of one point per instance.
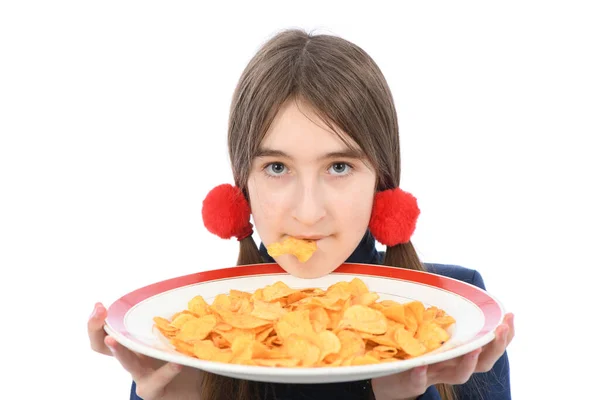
(153, 385)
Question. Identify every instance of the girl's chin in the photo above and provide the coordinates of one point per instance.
(313, 268)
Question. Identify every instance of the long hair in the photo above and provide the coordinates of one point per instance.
(348, 92)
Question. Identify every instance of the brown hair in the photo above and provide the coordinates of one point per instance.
(348, 92)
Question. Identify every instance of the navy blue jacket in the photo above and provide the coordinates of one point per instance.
(492, 385)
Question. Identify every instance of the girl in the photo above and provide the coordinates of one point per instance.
(314, 145)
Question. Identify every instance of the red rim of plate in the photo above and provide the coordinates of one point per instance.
(489, 306)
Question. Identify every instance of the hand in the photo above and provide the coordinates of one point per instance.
(96, 331)
(413, 383)
(152, 376)
(156, 380)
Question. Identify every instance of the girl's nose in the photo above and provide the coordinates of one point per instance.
(309, 207)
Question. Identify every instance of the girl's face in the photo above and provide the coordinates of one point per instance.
(306, 183)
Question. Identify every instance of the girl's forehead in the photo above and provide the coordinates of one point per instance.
(297, 129)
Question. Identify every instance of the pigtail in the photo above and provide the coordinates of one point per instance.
(249, 253)
(404, 255)
(220, 387)
(446, 391)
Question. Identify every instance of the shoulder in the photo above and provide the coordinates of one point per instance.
(451, 271)
(464, 274)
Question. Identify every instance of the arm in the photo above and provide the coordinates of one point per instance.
(491, 385)
(480, 375)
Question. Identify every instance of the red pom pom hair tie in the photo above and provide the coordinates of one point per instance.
(394, 216)
(226, 213)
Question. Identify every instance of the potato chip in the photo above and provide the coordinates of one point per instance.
(181, 319)
(386, 339)
(280, 326)
(198, 306)
(222, 302)
(184, 312)
(277, 362)
(239, 293)
(276, 291)
(241, 348)
(269, 311)
(334, 319)
(197, 329)
(303, 349)
(431, 335)
(365, 299)
(351, 345)
(264, 334)
(405, 340)
(295, 297)
(417, 309)
(328, 302)
(222, 326)
(392, 310)
(164, 324)
(183, 347)
(273, 341)
(243, 321)
(206, 350)
(241, 305)
(295, 322)
(364, 360)
(257, 295)
(357, 287)
(384, 351)
(329, 343)
(319, 319)
(364, 319)
(231, 334)
(219, 341)
(312, 291)
(302, 249)
(224, 356)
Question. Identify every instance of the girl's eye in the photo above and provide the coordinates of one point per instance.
(340, 168)
(275, 169)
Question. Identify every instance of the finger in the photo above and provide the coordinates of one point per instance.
(128, 359)
(153, 385)
(494, 350)
(458, 374)
(418, 379)
(510, 319)
(410, 383)
(96, 331)
(466, 368)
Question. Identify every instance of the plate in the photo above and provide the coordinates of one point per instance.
(476, 312)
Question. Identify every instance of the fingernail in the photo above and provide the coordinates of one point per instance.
(177, 367)
(95, 312)
(108, 342)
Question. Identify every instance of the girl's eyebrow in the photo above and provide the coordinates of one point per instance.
(348, 153)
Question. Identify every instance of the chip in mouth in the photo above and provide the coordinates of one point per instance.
(303, 249)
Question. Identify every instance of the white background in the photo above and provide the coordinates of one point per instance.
(113, 121)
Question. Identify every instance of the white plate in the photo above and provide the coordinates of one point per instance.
(477, 314)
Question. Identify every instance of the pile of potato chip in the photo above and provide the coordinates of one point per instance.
(278, 326)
